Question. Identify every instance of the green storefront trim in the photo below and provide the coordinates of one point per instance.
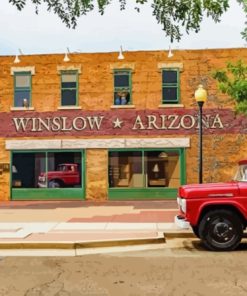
(142, 193)
(49, 193)
(150, 193)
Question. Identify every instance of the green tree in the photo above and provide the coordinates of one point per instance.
(171, 14)
(233, 81)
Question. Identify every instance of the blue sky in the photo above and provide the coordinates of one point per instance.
(45, 33)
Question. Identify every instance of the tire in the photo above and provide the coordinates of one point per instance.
(221, 230)
(196, 231)
(54, 184)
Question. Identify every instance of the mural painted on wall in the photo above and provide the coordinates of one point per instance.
(119, 122)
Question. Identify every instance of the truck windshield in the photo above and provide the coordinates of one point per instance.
(241, 174)
(61, 168)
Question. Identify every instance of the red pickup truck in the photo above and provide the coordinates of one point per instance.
(66, 175)
(217, 212)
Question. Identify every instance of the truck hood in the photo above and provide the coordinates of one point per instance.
(209, 190)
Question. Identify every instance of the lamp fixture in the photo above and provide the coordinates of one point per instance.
(201, 94)
(121, 56)
(163, 155)
(156, 171)
(16, 60)
(66, 57)
(156, 168)
(170, 54)
(14, 169)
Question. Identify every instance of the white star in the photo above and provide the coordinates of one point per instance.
(117, 123)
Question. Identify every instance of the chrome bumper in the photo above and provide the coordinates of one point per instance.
(181, 222)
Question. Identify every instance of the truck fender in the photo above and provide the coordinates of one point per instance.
(205, 207)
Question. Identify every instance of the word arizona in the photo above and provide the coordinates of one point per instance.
(175, 122)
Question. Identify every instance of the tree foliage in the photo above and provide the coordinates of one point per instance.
(171, 14)
(233, 81)
(244, 33)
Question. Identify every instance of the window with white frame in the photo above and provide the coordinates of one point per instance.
(170, 86)
(69, 88)
(122, 87)
(22, 89)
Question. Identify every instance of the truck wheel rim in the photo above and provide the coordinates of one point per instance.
(222, 230)
(54, 184)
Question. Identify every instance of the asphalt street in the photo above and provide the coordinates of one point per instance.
(179, 267)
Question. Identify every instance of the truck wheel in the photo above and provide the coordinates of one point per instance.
(195, 231)
(54, 184)
(221, 230)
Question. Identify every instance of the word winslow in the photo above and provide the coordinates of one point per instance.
(137, 122)
(54, 124)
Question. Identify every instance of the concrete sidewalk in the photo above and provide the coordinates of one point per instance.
(82, 224)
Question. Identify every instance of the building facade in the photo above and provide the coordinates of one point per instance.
(99, 128)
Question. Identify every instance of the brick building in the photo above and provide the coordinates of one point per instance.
(99, 128)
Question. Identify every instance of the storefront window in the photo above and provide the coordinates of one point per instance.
(26, 169)
(144, 169)
(125, 169)
(46, 170)
(161, 169)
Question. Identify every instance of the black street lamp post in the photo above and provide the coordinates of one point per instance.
(201, 97)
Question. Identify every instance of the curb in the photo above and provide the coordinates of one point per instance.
(179, 235)
(80, 245)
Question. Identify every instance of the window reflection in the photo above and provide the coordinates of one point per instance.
(26, 169)
(46, 170)
(125, 169)
(64, 169)
(137, 169)
(162, 169)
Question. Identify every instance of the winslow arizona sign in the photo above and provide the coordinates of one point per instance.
(118, 122)
(80, 123)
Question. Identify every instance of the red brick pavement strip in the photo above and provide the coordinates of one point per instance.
(142, 217)
(140, 204)
(9, 230)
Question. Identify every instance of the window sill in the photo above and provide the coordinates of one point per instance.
(122, 106)
(171, 106)
(69, 108)
(21, 108)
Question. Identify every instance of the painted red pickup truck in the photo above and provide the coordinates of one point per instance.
(66, 175)
(217, 212)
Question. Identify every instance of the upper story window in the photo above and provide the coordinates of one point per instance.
(22, 89)
(69, 88)
(122, 87)
(170, 86)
